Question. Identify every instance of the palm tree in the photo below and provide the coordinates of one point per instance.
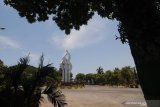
(21, 89)
(100, 70)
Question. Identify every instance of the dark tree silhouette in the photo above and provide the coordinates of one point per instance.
(1, 63)
(139, 26)
(20, 88)
(100, 70)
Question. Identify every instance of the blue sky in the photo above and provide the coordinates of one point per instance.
(92, 46)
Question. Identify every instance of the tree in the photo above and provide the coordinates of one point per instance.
(1, 63)
(100, 79)
(80, 77)
(100, 70)
(2, 67)
(55, 75)
(127, 75)
(20, 89)
(108, 76)
(91, 78)
(139, 22)
(115, 76)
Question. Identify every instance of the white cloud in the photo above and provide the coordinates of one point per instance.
(8, 42)
(87, 35)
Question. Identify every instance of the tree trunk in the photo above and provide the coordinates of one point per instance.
(141, 24)
(145, 49)
(146, 55)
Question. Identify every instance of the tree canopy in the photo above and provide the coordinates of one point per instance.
(71, 14)
(99, 70)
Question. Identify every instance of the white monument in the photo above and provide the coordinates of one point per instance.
(66, 67)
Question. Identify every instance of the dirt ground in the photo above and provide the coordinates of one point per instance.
(102, 96)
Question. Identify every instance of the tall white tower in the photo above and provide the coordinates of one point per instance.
(66, 67)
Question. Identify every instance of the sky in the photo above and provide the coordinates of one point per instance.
(92, 46)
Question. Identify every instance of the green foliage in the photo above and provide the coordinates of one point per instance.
(22, 85)
(1, 63)
(71, 14)
(64, 13)
(90, 76)
(124, 76)
(80, 77)
(127, 75)
(108, 77)
(1, 68)
(100, 79)
(100, 70)
(115, 78)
